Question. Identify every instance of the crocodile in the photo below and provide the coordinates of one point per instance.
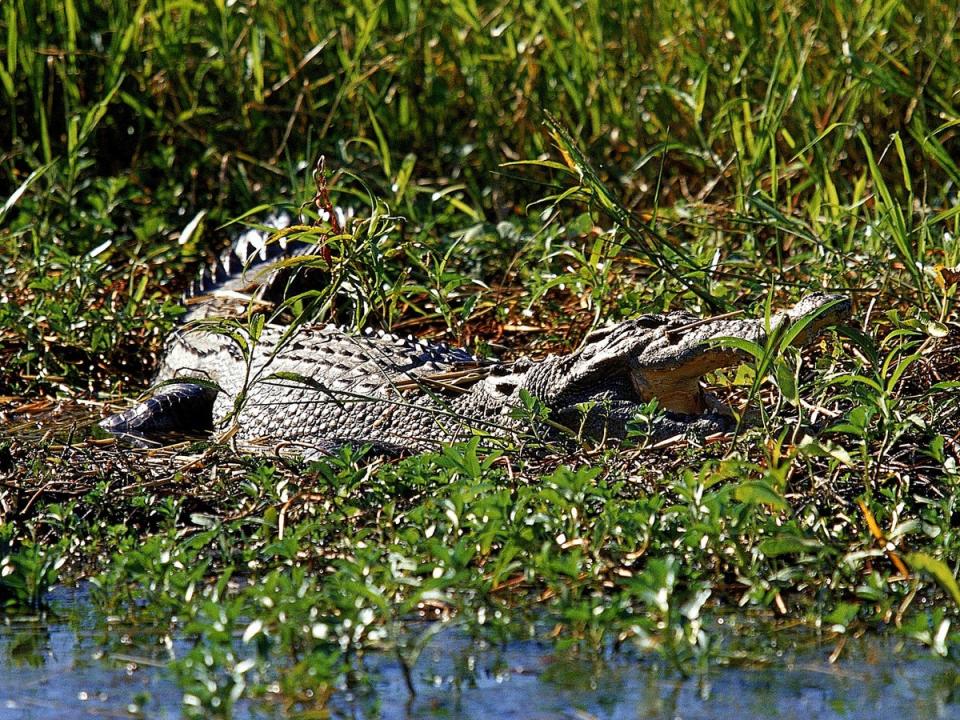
(314, 388)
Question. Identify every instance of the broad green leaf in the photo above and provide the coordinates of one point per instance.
(937, 329)
(843, 614)
(786, 381)
(921, 562)
(812, 447)
(788, 544)
(758, 492)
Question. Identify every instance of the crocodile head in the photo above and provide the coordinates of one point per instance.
(665, 356)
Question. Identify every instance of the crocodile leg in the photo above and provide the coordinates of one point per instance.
(180, 406)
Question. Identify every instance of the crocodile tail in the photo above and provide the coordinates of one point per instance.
(248, 269)
(250, 251)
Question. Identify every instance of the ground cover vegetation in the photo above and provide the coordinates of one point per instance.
(519, 174)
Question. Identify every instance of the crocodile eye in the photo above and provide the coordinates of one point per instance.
(598, 334)
(650, 321)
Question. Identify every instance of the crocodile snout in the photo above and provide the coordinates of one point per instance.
(672, 364)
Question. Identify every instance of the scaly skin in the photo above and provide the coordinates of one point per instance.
(318, 387)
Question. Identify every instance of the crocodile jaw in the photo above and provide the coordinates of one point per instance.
(669, 367)
(680, 395)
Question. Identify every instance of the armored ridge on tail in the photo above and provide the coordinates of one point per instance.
(319, 387)
(243, 271)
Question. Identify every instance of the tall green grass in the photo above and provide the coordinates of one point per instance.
(731, 149)
(751, 98)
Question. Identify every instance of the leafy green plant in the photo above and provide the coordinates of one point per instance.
(27, 572)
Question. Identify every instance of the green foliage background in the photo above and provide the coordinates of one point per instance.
(514, 165)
